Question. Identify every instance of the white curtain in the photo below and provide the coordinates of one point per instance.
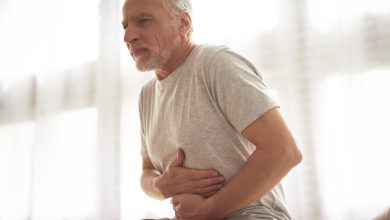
(69, 132)
(60, 109)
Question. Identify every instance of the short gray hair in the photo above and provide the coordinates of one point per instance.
(175, 7)
(178, 6)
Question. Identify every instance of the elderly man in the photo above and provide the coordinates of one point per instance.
(213, 139)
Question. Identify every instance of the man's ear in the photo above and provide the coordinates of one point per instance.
(185, 24)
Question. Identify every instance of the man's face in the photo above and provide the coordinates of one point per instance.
(151, 35)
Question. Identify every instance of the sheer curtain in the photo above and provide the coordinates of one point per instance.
(59, 109)
(69, 130)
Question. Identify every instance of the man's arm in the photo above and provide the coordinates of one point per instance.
(148, 177)
(275, 155)
(177, 180)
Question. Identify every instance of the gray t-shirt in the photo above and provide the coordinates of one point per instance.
(203, 107)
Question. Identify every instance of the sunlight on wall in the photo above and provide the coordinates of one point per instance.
(354, 122)
(32, 39)
(220, 21)
(327, 14)
(15, 165)
(65, 151)
(51, 177)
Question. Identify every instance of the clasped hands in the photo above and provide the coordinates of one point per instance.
(189, 189)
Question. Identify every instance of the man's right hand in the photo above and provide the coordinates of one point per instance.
(177, 180)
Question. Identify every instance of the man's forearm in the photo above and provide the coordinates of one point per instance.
(148, 185)
(258, 176)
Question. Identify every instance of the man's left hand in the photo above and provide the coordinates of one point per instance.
(192, 207)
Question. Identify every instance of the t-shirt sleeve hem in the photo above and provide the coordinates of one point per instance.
(144, 154)
(252, 118)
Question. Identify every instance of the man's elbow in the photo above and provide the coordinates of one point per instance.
(298, 157)
(293, 154)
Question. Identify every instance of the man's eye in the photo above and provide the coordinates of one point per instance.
(142, 21)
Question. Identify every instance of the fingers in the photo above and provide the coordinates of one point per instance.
(203, 174)
(202, 186)
(175, 201)
(210, 181)
(178, 161)
(203, 189)
(177, 208)
(208, 194)
(206, 190)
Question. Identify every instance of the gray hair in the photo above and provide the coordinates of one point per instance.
(175, 7)
(178, 6)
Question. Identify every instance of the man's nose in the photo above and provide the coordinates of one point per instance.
(130, 36)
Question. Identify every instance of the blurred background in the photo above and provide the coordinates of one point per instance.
(69, 129)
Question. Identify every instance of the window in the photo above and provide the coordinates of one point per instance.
(48, 167)
(40, 36)
(352, 145)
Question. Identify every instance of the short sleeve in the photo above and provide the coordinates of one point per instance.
(238, 89)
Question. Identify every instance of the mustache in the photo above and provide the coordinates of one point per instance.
(137, 47)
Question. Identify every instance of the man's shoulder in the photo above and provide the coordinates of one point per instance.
(214, 54)
(210, 50)
(205, 55)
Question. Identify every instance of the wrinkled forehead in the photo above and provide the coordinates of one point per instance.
(132, 7)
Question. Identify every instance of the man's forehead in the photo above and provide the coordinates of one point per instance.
(135, 7)
(142, 3)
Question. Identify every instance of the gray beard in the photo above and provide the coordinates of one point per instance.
(155, 61)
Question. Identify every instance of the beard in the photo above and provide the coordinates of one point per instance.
(157, 58)
(155, 61)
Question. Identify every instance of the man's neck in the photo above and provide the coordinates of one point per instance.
(178, 56)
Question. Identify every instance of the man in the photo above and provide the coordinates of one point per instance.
(212, 138)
